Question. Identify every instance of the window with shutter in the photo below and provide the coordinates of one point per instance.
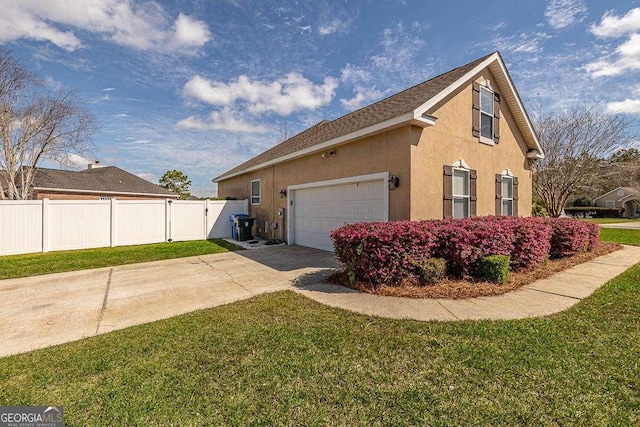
(486, 114)
(506, 194)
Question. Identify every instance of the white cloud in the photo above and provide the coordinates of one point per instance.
(613, 26)
(121, 115)
(333, 26)
(220, 120)
(53, 84)
(139, 25)
(626, 57)
(628, 106)
(77, 161)
(108, 89)
(364, 87)
(151, 177)
(189, 33)
(393, 67)
(563, 13)
(283, 96)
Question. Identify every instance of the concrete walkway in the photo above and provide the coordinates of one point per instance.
(40, 311)
(631, 225)
(541, 298)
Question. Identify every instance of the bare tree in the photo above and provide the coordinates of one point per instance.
(285, 132)
(576, 143)
(35, 124)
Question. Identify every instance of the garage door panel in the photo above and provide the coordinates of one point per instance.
(321, 209)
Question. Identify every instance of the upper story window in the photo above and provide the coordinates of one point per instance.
(486, 113)
(255, 192)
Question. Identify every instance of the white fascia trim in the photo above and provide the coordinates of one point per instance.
(65, 190)
(394, 122)
(535, 154)
(605, 194)
(340, 181)
(462, 80)
(383, 176)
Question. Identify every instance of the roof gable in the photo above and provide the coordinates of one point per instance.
(411, 106)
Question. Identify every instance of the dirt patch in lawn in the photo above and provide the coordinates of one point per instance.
(461, 289)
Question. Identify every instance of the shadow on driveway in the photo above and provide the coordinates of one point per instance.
(290, 258)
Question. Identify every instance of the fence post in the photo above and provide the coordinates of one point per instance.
(167, 220)
(246, 206)
(45, 225)
(206, 219)
(114, 222)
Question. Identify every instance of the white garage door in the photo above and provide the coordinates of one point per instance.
(319, 210)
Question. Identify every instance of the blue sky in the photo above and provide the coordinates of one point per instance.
(203, 85)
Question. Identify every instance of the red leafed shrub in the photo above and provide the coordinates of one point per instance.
(388, 252)
(531, 243)
(570, 236)
(463, 242)
(594, 235)
(383, 252)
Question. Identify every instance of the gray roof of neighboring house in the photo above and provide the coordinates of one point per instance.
(106, 179)
(395, 105)
(629, 192)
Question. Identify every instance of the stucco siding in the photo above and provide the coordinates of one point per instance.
(451, 140)
(385, 152)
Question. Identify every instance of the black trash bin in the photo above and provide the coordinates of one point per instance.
(232, 220)
(244, 226)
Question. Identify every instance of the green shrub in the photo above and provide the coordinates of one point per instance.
(433, 270)
(594, 212)
(494, 268)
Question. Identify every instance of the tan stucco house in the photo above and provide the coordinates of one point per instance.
(460, 144)
(627, 198)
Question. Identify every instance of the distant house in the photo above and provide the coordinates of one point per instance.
(94, 183)
(458, 145)
(627, 198)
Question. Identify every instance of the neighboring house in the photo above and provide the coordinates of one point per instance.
(94, 183)
(458, 145)
(626, 198)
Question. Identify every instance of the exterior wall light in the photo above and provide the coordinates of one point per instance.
(394, 182)
(283, 193)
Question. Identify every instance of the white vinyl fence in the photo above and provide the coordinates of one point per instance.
(51, 225)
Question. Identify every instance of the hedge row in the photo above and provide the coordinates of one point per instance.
(594, 212)
(388, 252)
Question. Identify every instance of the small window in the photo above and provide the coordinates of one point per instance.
(460, 193)
(507, 196)
(620, 193)
(609, 204)
(486, 115)
(255, 192)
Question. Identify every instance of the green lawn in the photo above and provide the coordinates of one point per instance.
(610, 220)
(283, 359)
(54, 262)
(620, 235)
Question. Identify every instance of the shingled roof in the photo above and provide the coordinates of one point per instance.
(106, 179)
(393, 106)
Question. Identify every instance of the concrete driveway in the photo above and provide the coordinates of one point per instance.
(40, 311)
